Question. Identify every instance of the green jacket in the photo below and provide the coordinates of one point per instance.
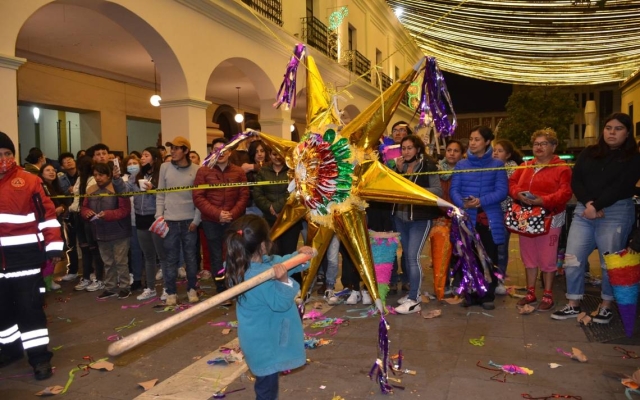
(271, 195)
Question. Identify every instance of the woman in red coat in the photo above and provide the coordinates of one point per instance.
(550, 188)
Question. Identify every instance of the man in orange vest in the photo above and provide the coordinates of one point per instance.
(29, 234)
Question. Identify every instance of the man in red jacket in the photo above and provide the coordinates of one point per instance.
(29, 234)
(219, 207)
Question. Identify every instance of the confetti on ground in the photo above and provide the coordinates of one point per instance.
(56, 348)
(50, 391)
(148, 384)
(554, 365)
(477, 342)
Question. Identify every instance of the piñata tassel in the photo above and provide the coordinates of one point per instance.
(437, 97)
(287, 93)
(212, 158)
(380, 368)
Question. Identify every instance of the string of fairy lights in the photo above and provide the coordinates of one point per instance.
(528, 42)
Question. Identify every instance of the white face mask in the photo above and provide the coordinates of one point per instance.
(133, 169)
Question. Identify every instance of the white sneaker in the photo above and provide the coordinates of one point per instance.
(95, 286)
(69, 277)
(354, 297)
(172, 300)
(182, 273)
(159, 275)
(403, 299)
(500, 289)
(82, 285)
(55, 286)
(193, 296)
(409, 307)
(164, 295)
(331, 298)
(130, 279)
(92, 277)
(366, 298)
(147, 294)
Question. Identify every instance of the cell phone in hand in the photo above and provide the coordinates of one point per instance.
(528, 195)
(468, 198)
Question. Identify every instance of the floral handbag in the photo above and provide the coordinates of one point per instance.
(527, 220)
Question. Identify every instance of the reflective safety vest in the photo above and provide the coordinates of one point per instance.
(29, 230)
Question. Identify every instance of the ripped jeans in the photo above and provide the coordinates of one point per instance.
(608, 234)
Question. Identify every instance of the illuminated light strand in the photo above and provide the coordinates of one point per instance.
(551, 42)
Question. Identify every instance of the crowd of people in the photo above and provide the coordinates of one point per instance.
(129, 239)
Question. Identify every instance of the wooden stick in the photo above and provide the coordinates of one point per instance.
(142, 336)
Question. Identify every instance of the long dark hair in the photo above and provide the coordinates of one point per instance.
(253, 149)
(629, 147)
(156, 163)
(510, 148)
(85, 171)
(53, 187)
(244, 240)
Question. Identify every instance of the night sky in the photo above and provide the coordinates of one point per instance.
(475, 96)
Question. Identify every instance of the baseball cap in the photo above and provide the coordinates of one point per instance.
(179, 141)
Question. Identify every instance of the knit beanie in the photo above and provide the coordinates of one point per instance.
(7, 143)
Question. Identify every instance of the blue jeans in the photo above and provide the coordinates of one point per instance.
(332, 262)
(266, 387)
(503, 254)
(608, 234)
(214, 232)
(413, 235)
(179, 235)
(136, 256)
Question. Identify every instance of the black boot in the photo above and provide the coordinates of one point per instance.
(42, 371)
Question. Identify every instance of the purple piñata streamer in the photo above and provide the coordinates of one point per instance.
(473, 261)
(212, 158)
(287, 93)
(432, 100)
(380, 367)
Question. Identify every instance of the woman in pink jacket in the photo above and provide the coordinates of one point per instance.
(550, 188)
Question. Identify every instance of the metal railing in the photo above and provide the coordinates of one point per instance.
(270, 9)
(361, 65)
(383, 81)
(318, 36)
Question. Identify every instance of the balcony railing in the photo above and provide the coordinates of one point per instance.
(361, 65)
(383, 81)
(270, 9)
(318, 36)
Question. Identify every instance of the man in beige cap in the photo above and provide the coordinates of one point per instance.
(181, 217)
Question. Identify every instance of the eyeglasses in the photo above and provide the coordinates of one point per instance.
(540, 144)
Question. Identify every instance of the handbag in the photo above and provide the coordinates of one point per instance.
(527, 220)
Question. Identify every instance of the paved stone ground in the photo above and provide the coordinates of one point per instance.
(437, 349)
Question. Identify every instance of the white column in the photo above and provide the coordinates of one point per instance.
(186, 118)
(9, 96)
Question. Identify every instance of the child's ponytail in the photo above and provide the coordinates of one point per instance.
(244, 240)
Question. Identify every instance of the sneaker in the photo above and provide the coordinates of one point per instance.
(403, 299)
(92, 277)
(182, 273)
(488, 305)
(566, 312)
(331, 298)
(172, 300)
(366, 298)
(604, 316)
(193, 296)
(147, 294)
(409, 307)
(55, 286)
(82, 285)
(164, 295)
(354, 297)
(530, 298)
(546, 303)
(159, 275)
(204, 274)
(69, 277)
(106, 294)
(123, 294)
(42, 371)
(95, 286)
(130, 279)
(500, 289)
